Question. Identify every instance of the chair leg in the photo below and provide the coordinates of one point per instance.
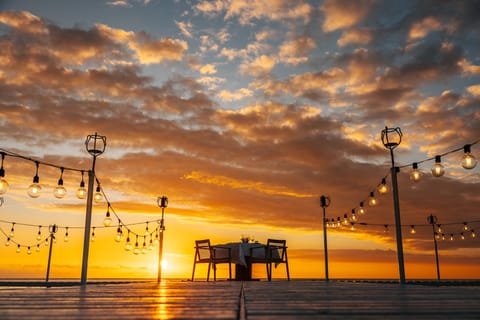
(214, 272)
(208, 273)
(286, 263)
(230, 270)
(269, 271)
(193, 272)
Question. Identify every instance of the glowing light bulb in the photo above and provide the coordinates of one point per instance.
(29, 251)
(353, 216)
(81, 191)
(65, 238)
(118, 237)
(352, 227)
(462, 236)
(39, 234)
(156, 241)
(386, 228)
(439, 228)
(361, 209)
(107, 222)
(383, 188)
(59, 191)
(38, 248)
(18, 248)
(34, 189)
(465, 226)
(12, 231)
(46, 242)
(372, 201)
(437, 235)
(3, 183)
(97, 197)
(415, 175)
(451, 237)
(93, 235)
(438, 170)
(443, 236)
(473, 233)
(7, 243)
(468, 161)
(150, 245)
(128, 246)
(144, 248)
(412, 229)
(338, 222)
(345, 219)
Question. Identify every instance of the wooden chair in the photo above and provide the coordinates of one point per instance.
(275, 252)
(213, 255)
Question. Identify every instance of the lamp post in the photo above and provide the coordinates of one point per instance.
(433, 220)
(53, 229)
(95, 145)
(391, 138)
(162, 203)
(325, 202)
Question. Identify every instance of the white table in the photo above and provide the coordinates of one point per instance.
(241, 252)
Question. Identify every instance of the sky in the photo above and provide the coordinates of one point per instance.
(243, 113)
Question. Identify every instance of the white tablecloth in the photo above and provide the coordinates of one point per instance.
(240, 250)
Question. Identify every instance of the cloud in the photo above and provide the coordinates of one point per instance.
(185, 28)
(260, 65)
(249, 11)
(423, 28)
(242, 93)
(119, 3)
(341, 14)
(355, 36)
(296, 51)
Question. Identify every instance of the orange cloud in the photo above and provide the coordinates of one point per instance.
(24, 21)
(257, 186)
(423, 28)
(355, 36)
(296, 51)
(341, 14)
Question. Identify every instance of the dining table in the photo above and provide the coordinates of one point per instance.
(241, 252)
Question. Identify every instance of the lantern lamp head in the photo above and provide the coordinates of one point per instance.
(96, 144)
(391, 137)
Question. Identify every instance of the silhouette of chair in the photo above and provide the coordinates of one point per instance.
(213, 255)
(275, 252)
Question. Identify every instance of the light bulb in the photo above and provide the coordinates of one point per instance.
(345, 219)
(12, 231)
(39, 234)
(361, 209)
(46, 242)
(415, 175)
(29, 251)
(65, 238)
(150, 245)
(352, 226)
(147, 233)
(443, 236)
(451, 237)
(107, 222)
(462, 236)
(465, 226)
(93, 235)
(3, 185)
(338, 222)
(18, 248)
(34, 190)
(412, 230)
(353, 217)
(439, 227)
(383, 188)
(468, 160)
(3, 182)
(386, 228)
(38, 248)
(473, 233)
(59, 191)
(372, 201)
(438, 170)
(156, 241)
(7, 243)
(437, 236)
(118, 237)
(144, 247)
(128, 245)
(81, 191)
(97, 197)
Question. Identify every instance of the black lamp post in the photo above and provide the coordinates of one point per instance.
(162, 203)
(391, 138)
(95, 145)
(433, 220)
(325, 202)
(53, 229)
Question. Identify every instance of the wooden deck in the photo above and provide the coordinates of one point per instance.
(297, 299)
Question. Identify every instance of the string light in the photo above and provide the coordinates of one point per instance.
(38, 247)
(468, 161)
(97, 197)
(108, 220)
(412, 229)
(443, 236)
(128, 244)
(386, 228)
(118, 237)
(415, 174)
(345, 219)
(12, 230)
(3, 183)
(29, 251)
(136, 250)
(352, 226)
(81, 191)
(438, 170)
(372, 201)
(39, 234)
(437, 236)
(383, 188)
(439, 228)
(59, 191)
(353, 217)
(35, 188)
(46, 242)
(146, 230)
(93, 235)
(65, 238)
(7, 243)
(451, 236)
(361, 209)
(473, 233)
(18, 248)
(144, 246)
(462, 236)
(465, 226)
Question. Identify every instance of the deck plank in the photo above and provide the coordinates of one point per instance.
(262, 300)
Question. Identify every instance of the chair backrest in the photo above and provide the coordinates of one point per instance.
(277, 250)
(202, 250)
